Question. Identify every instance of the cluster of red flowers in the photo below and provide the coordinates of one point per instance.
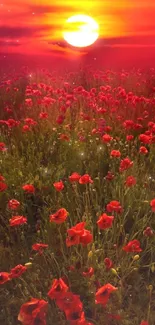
(16, 272)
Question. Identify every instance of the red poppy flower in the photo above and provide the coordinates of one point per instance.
(29, 188)
(86, 238)
(74, 316)
(3, 187)
(26, 128)
(144, 322)
(77, 230)
(152, 204)
(125, 164)
(59, 186)
(13, 204)
(114, 206)
(74, 177)
(143, 150)
(30, 121)
(103, 294)
(17, 220)
(130, 181)
(89, 272)
(58, 288)
(105, 221)
(17, 271)
(69, 301)
(2, 146)
(108, 263)
(43, 115)
(64, 137)
(33, 312)
(145, 138)
(60, 119)
(148, 232)
(106, 138)
(129, 137)
(59, 217)
(85, 179)
(115, 153)
(4, 277)
(74, 240)
(39, 247)
(110, 176)
(132, 246)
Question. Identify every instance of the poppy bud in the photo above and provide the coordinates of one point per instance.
(136, 258)
(29, 264)
(150, 287)
(114, 272)
(90, 254)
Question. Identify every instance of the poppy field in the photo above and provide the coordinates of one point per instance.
(77, 198)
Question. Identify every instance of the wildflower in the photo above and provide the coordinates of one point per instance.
(4, 277)
(12, 123)
(144, 322)
(129, 137)
(132, 246)
(89, 272)
(78, 235)
(2, 146)
(85, 179)
(64, 137)
(105, 221)
(59, 217)
(74, 177)
(115, 153)
(86, 238)
(3, 187)
(17, 221)
(148, 232)
(30, 121)
(75, 316)
(109, 176)
(145, 138)
(69, 301)
(60, 119)
(108, 263)
(103, 294)
(125, 164)
(58, 288)
(39, 247)
(33, 312)
(152, 204)
(13, 204)
(59, 186)
(29, 188)
(43, 115)
(106, 138)
(143, 150)
(26, 128)
(17, 271)
(114, 206)
(130, 181)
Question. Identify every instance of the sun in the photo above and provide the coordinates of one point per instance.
(81, 31)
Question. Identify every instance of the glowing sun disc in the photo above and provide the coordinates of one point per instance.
(86, 33)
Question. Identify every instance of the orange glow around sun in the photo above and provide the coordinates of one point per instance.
(33, 26)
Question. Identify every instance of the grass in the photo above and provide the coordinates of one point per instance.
(40, 155)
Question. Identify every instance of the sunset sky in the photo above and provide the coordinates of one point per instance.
(36, 26)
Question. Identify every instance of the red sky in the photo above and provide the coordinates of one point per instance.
(35, 26)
